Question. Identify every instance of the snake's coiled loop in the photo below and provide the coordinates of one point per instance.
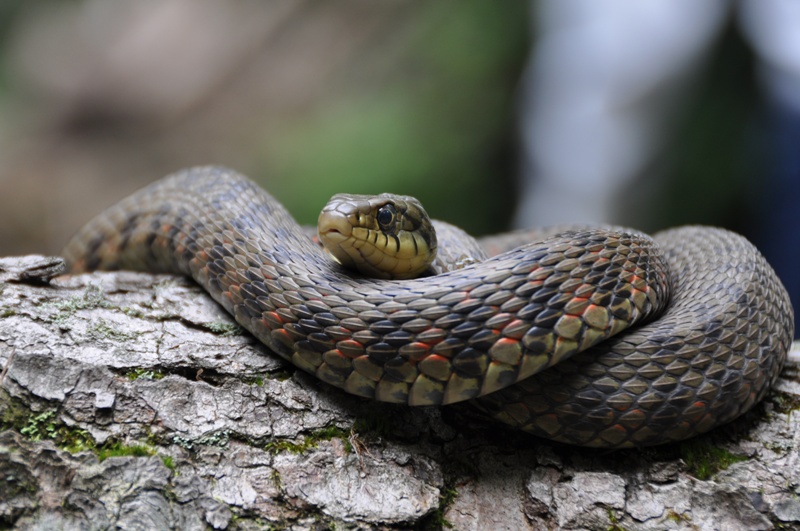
(485, 330)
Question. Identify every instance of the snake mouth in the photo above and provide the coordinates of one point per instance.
(334, 228)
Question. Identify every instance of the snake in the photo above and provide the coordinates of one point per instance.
(591, 336)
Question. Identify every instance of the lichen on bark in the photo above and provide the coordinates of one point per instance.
(129, 400)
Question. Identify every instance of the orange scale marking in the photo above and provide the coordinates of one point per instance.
(423, 348)
(354, 346)
(272, 320)
(516, 329)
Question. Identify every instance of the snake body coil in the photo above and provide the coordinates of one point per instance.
(487, 332)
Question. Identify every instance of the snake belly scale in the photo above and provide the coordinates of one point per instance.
(524, 334)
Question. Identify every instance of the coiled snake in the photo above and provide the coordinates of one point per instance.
(524, 334)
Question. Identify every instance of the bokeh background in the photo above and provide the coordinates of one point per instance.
(100, 97)
(309, 98)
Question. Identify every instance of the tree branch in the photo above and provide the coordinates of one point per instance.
(132, 400)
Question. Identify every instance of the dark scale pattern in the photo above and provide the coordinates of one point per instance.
(713, 354)
(471, 332)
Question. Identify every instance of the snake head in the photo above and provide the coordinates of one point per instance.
(383, 236)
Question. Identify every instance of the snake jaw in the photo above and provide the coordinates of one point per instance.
(335, 230)
(341, 232)
(334, 227)
(357, 232)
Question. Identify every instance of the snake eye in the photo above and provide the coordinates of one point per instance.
(386, 215)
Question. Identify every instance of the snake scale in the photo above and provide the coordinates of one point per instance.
(594, 337)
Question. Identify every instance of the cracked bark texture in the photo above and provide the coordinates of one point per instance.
(231, 437)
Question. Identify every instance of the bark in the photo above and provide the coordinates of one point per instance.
(133, 401)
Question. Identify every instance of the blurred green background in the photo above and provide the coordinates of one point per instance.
(309, 98)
